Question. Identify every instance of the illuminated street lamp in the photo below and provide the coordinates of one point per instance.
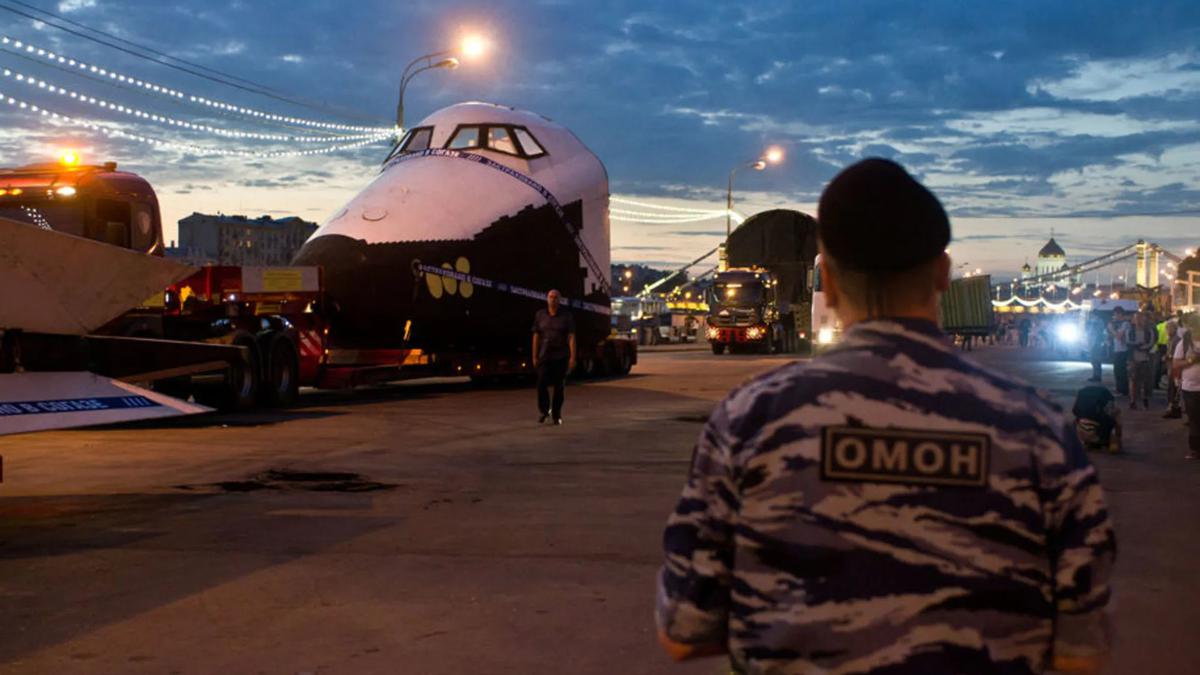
(472, 47)
(773, 155)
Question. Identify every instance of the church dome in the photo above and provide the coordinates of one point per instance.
(1026, 268)
(1052, 250)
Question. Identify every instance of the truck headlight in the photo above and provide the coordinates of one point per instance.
(714, 333)
(825, 336)
(755, 333)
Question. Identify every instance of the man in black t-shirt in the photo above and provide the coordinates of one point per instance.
(553, 355)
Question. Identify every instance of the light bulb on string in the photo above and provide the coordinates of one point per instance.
(112, 76)
(185, 147)
(183, 124)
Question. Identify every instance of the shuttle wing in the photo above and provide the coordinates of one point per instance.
(60, 283)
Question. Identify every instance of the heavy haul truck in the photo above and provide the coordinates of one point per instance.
(435, 269)
(761, 300)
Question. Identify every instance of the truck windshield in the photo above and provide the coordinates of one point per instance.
(61, 217)
(737, 294)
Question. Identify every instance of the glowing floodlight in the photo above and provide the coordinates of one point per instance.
(473, 46)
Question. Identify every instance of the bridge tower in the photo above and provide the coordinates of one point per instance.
(1147, 265)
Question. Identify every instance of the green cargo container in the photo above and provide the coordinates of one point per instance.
(967, 306)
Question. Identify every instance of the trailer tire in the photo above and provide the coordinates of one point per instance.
(622, 363)
(238, 391)
(718, 348)
(281, 373)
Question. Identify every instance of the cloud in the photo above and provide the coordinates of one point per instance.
(1043, 122)
(68, 6)
(1175, 75)
(228, 48)
(292, 58)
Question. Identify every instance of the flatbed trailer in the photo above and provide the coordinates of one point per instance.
(278, 318)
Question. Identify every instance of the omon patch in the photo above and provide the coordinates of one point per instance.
(911, 456)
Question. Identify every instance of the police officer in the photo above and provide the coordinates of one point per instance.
(890, 506)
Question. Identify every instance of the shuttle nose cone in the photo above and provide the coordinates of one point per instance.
(430, 199)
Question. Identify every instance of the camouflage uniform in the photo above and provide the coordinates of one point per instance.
(889, 507)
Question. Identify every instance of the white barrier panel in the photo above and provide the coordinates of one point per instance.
(43, 401)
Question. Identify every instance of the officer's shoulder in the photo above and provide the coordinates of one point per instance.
(1038, 403)
(778, 391)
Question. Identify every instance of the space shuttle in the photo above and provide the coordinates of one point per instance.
(478, 212)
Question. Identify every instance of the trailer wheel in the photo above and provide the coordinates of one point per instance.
(281, 384)
(238, 391)
(718, 348)
(624, 363)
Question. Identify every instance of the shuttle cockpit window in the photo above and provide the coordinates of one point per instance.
(413, 140)
(509, 140)
(529, 144)
(464, 138)
(417, 139)
(501, 141)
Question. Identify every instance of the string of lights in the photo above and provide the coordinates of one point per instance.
(622, 214)
(51, 20)
(663, 207)
(662, 213)
(173, 145)
(127, 91)
(163, 90)
(134, 45)
(183, 124)
(654, 219)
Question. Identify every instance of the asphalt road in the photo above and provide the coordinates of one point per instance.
(465, 538)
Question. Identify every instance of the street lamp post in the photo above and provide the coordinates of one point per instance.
(771, 156)
(757, 165)
(420, 65)
(471, 47)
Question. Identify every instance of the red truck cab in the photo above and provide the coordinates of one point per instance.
(93, 201)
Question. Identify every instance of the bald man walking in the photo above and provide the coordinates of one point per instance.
(553, 355)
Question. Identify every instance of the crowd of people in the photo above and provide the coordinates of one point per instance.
(1024, 332)
(1148, 352)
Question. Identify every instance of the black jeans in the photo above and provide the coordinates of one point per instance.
(1191, 402)
(551, 373)
(1121, 372)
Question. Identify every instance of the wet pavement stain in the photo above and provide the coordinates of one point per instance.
(286, 480)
